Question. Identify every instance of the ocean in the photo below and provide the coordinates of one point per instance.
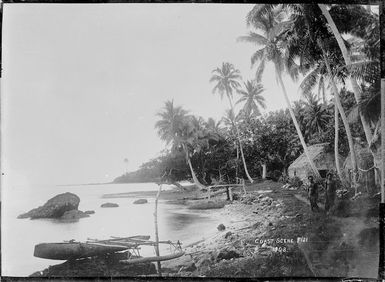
(19, 236)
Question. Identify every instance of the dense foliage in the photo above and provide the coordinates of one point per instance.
(296, 39)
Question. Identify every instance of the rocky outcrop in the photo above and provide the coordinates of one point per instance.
(89, 212)
(54, 207)
(73, 214)
(109, 205)
(140, 201)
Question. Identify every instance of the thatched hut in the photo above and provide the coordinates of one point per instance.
(322, 157)
(366, 172)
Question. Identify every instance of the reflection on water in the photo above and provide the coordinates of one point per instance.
(19, 236)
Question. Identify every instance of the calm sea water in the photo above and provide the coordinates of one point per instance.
(19, 236)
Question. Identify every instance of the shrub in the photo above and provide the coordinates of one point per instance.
(275, 175)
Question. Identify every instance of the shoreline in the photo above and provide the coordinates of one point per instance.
(269, 232)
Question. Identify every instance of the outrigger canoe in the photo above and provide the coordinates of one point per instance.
(72, 250)
(75, 250)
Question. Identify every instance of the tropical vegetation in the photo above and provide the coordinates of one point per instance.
(333, 53)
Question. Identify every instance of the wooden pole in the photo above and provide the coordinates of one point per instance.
(156, 231)
(381, 268)
(383, 140)
(231, 194)
(243, 186)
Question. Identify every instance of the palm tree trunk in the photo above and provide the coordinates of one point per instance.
(306, 151)
(236, 168)
(345, 122)
(345, 54)
(195, 179)
(240, 144)
(338, 167)
(263, 170)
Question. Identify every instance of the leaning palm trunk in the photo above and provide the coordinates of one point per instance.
(306, 151)
(356, 88)
(196, 181)
(338, 167)
(240, 145)
(345, 122)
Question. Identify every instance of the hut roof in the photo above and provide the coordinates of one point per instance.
(314, 152)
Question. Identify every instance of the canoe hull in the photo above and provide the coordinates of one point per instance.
(67, 251)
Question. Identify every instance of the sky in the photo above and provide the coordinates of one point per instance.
(82, 83)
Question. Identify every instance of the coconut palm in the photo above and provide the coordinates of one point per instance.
(227, 81)
(356, 89)
(316, 115)
(252, 98)
(267, 20)
(309, 40)
(175, 127)
(230, 120)
(126, 163)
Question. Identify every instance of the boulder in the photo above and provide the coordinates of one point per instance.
(140, 201)
(74, 214)
(228, 234)
(54, 207)
(227, 254)
(221, 227)
(109, 205)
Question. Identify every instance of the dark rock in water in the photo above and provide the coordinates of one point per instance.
(109, 205)
(107, 266)
(221, 227)
(89, 212)
(74, 214)
(54, 207)
(140, 201)
(227, 254)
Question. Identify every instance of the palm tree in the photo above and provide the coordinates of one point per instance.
(175, 127)
(229, 120)
(316, 115)
(227, 80)
(308, 39)
(126, 163)
(268, 21)
(252, 98)
(348, 62)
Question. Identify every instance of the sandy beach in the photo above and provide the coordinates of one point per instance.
(267, 232)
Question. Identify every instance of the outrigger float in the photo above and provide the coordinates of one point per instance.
(71, 250)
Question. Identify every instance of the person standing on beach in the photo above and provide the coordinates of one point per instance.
(313, 194)
(330, 194)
